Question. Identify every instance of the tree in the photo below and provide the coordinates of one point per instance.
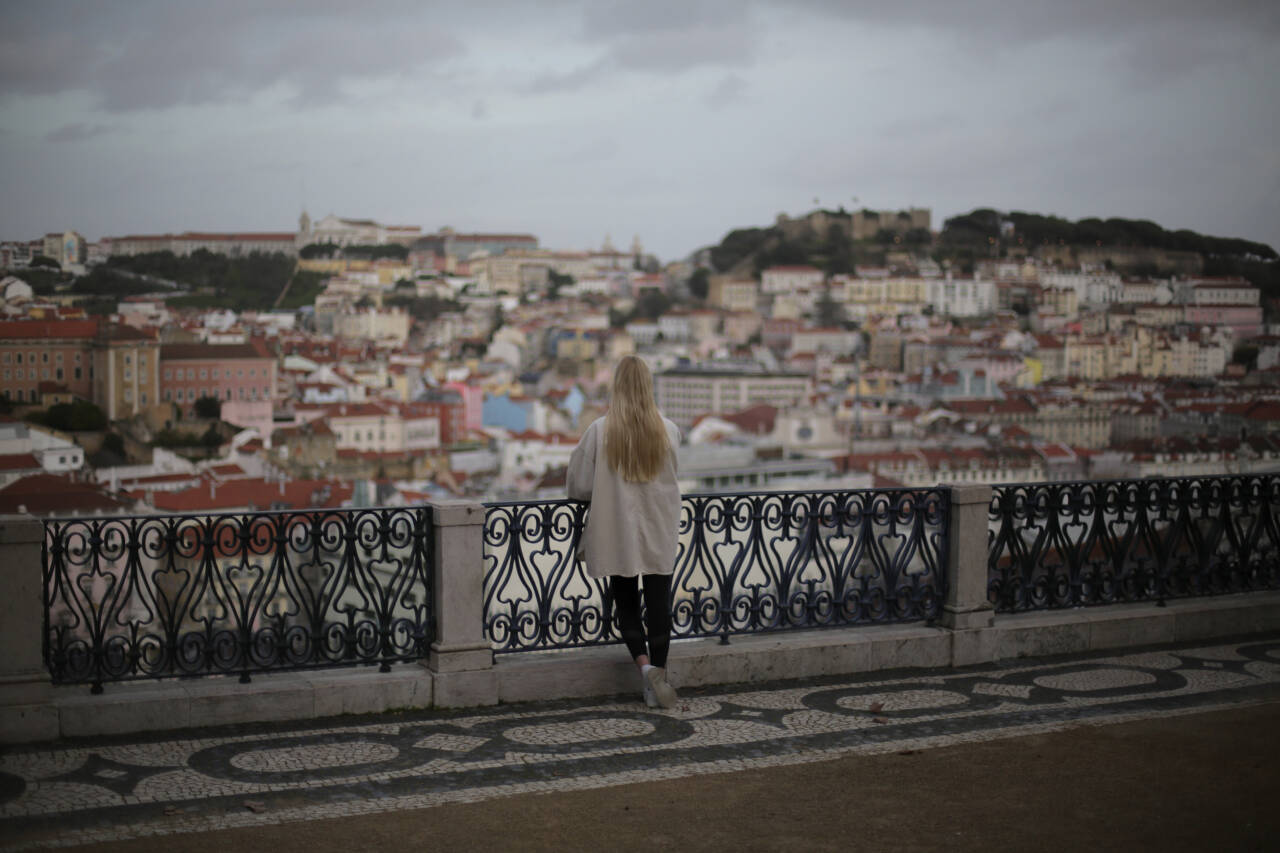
(700, 283)
(79, 416)
(827, 312)
(211, 438)
(114, 443)
(1246, 354)
(43, 261)
(555, 281)
(653, 304)
(209, 408)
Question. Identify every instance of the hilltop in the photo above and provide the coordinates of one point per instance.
(836, 241)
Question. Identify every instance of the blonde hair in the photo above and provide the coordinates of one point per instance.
(635, 436)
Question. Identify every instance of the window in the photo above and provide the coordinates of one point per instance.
(19, 358)
(168, 374)
(228, 393)
(77, 373)
(144, 398)
(168, 395)
(142, 359)
(77, 358)
(204, 374)
(240, 372)
(44, 357)
(191, 373)
(128, 359)
(128, 373)
(20, 397)
(7, 358)
(142, 374)
(58, 374)
(31, 373)
(215, 373)
(128, 395)
(6, 373)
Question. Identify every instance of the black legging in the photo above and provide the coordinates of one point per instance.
(657, 614)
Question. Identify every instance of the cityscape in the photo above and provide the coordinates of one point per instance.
(354, 363)
(322, 326)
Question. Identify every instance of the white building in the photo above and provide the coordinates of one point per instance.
(1098, 287)
(685, 393)
(961, 297)
(787, 279)
(388, 325)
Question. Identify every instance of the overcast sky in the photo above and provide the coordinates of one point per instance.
(674, 121)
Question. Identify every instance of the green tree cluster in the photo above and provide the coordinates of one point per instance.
(980, 226)
(77, 416)
(371, 252)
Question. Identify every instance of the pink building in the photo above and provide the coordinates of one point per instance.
(1244, 320)
(238, 375)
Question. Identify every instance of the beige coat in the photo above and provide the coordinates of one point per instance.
(631, 528)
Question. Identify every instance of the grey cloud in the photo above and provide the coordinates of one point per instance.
(152, 56)
(568, 81)
(76, 132)
(1041, 19)
(628, 18)
(1159, 39)
(731, 88)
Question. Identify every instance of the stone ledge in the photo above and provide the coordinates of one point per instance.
(607, 670)
(172, 704)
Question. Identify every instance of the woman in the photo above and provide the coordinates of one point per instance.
(625, 464)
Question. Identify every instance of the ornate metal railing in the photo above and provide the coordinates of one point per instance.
(745, 563)
(177, 595)
(1056, 545)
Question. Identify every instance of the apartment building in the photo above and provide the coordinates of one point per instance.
(788, 279)
(685, 393)
(58, 351)
(733, 294)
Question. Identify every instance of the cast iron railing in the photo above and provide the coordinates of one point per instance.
(745, 563)
(180, 595)
(1056, 545)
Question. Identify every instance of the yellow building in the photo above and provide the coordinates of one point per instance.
(126, 371)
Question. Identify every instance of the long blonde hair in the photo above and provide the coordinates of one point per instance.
(635, 437)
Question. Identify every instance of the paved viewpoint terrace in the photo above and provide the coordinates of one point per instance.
(1161, 747)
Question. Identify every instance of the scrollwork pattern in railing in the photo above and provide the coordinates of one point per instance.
(1056, 545)
(176, 595)
(745, 563)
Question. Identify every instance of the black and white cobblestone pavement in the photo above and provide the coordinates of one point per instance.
(194, 781)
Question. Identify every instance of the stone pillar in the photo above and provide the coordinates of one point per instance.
(461, 659)
(26, 696)
(966, 611)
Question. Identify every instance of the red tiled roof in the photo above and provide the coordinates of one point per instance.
(758, 419)
(256, 492)
(51, 494)
(209, 352)
(58, 329)
(19, 462)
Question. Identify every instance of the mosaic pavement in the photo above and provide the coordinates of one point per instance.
(124, 787)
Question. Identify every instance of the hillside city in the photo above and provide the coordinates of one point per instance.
(356, 363)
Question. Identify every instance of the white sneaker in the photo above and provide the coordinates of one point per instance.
(650, 698)
(663, 693)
